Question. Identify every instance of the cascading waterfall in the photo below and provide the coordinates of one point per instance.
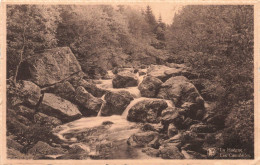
(95, 121)
(107, 85)
(119, 130)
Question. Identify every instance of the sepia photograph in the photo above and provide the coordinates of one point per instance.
(135, 81)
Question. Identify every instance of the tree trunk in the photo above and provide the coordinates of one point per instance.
(21, 58)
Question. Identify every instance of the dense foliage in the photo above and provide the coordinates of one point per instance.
(217, 41)
(240, 127)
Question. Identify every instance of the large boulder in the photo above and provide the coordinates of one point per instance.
(58, 107)
(91, 104)
(147, 111)
(125, 79)
(49, 67)
(116, 103)
(27, 93)
(144, 139)
(150, 86)
(180, 90)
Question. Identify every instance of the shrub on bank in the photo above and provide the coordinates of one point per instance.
(240, 127)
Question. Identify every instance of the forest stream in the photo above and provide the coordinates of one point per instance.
(95, 134)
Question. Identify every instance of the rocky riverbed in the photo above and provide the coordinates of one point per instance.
(130, 113)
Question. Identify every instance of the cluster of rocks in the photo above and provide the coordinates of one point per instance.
(171, 132)
(53, 90)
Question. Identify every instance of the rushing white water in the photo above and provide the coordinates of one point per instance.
(82, 124)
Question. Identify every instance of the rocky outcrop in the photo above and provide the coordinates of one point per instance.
(147, 111)
(125, 79)
(91, 104)
(180, 90)
(62, 109)
(150, 86)
(49, 67)
(116, 103)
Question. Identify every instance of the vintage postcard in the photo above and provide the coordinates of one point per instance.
(129, 82)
